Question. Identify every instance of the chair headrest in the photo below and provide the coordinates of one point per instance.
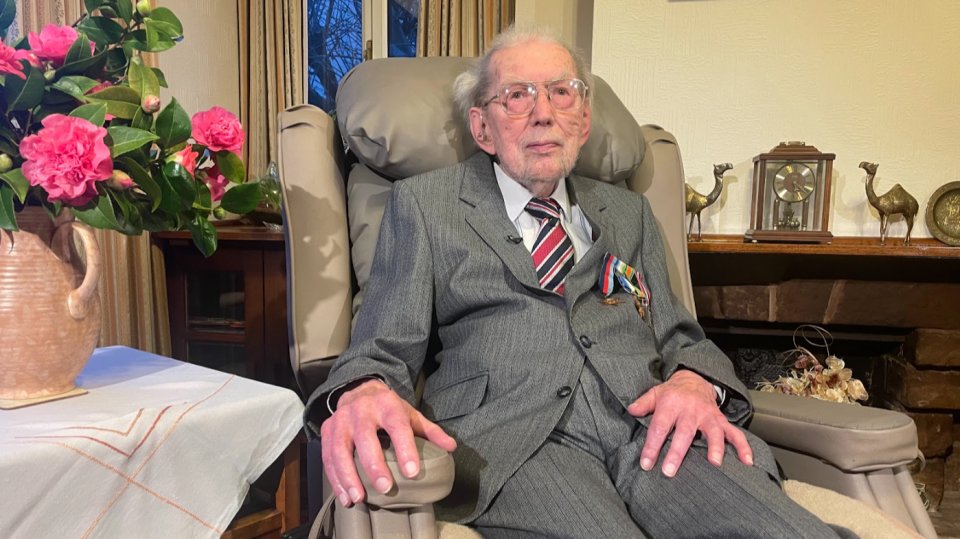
(398, 116)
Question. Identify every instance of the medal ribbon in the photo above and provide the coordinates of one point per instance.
(628, 277)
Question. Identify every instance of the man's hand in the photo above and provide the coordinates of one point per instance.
(685, 404)
(361, 412)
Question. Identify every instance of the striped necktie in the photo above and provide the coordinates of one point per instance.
(553, 250)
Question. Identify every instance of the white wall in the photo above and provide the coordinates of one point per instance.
(573, 18)
(868, 80)
(203, 70)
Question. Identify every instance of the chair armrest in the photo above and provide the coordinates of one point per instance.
(852, 438)
(433, 484)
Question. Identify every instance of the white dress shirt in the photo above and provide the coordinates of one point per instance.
(573, 221)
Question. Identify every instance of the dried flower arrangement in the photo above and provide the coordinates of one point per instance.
(809, 378)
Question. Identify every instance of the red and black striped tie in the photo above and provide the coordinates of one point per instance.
(553, 250)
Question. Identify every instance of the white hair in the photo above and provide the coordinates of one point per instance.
(473, 86)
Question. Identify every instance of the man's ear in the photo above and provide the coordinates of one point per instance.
(587, 116)
(480, 130)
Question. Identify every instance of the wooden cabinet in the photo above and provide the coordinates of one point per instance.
(229, 312)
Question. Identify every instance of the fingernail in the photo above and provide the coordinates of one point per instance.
(382, 484)
(355, 495)
(410, 468)
(669, 469)
(646, 464)
(750, 460)
(344, 499)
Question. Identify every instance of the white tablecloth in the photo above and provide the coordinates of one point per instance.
(157, 449)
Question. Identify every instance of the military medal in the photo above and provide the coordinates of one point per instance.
(616, 271)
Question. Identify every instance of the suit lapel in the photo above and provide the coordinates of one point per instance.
(487, 215)
(586, 272)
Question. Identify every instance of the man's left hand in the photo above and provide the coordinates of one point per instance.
(685, 404)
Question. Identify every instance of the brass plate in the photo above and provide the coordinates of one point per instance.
(943, 214)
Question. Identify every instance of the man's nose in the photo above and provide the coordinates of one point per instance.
(542, 113)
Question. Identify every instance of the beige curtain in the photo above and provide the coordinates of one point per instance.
(271, 73)
(32, 15)
(133, 288)
(461, 27)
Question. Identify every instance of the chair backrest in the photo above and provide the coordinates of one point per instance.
(398, 118)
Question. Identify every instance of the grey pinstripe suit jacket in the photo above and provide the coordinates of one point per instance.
(443, 258)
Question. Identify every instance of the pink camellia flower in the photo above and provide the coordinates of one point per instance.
(218, 129)
(9, 64)
(216, 182)
(53, 42)
(66, 158)
(29, 56)
(186, 157)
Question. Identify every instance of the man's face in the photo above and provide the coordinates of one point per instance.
(541, 147)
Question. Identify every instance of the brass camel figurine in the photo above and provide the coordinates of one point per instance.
(896, 200)
(697, 202)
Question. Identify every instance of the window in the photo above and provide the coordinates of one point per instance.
(341, 33)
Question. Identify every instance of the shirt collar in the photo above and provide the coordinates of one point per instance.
(516, 196)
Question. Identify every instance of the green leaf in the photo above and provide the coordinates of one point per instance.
(143, 179)
(7, 14)
(8, 217)
(204, 197)
(98, 213)
(79, 50)
(129, 219)
(117, 61)
(142, 79)
(92, 5)
(173, 125)
(16, 180)
(169, 199)
(107, 11)
(121, 101)
(161, 79)
(231, 166)
(182, 183)
(204, 235)
(125, 9)
(75, 86)
(139, 40)
(52, 208)
(241, 198)
(142, 120)
(165, 15)
(91, 66)
(24, 94)
(154, 222)
(101, 30)
(125, 139)
(162, 29)
(95, 113)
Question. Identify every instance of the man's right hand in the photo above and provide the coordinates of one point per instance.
(361, 412)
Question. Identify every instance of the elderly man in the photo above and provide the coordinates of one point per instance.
(578, 396)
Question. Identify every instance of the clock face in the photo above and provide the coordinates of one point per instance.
(794, 182)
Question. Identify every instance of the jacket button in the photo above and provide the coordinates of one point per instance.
(585, 341)
(564, 392)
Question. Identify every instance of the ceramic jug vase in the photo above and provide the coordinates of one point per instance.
(49, 306)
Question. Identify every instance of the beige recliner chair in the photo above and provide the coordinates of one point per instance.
(398, 119)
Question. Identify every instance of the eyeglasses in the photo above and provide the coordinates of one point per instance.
(519, 98)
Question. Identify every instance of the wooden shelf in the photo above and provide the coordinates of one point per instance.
(228, 233)
(844, 246)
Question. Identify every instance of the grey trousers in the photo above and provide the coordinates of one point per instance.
(585, 481)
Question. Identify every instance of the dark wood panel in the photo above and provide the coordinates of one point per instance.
(228, 233)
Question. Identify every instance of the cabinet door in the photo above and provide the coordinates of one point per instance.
(216, 308)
